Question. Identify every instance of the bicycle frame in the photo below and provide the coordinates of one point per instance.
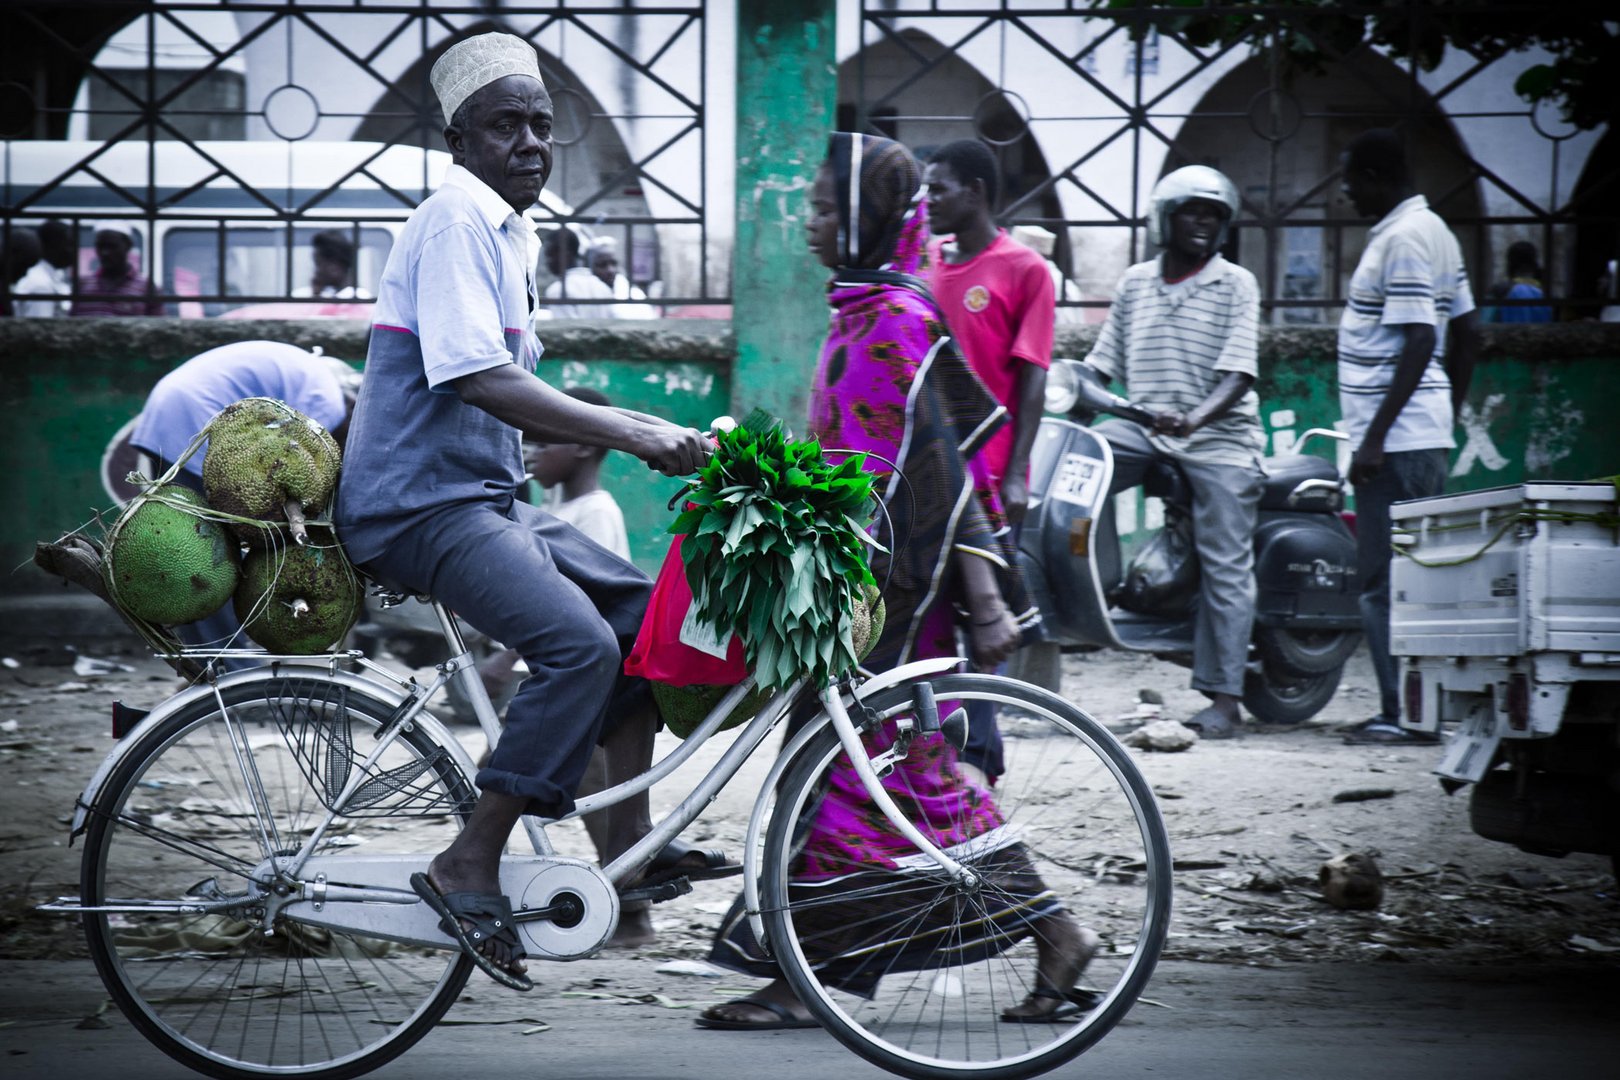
(374, 889)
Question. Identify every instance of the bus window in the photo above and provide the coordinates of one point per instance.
(256, 261)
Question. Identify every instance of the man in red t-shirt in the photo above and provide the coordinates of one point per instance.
(997, 298)
(998, 302)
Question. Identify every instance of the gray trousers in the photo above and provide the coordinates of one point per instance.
(570, 607)
(1226, 501)
(1406, 474)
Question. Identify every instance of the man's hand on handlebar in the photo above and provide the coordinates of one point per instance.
(1173, 423)
(675, 450)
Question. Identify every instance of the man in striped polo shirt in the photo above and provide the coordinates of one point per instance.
(1399, 389)
(1181, 336)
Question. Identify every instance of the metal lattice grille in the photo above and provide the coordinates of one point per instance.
(226, 135)
(1088, 105)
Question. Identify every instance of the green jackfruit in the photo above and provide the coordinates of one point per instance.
(298, 600)
(684, 707)
(868, 616)
(165, 564)
(262, 453)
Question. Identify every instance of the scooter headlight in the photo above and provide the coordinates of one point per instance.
(1062, 385)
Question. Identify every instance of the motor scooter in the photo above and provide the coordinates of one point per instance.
(1307, 613)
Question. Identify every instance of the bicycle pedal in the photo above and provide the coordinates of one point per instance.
(657, 894)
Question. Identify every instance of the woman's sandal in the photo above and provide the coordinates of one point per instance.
(1072, 1003)
(491, 916)
(708, 1018)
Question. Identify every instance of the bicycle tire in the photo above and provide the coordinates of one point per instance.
(172, 812)
(1084, 818)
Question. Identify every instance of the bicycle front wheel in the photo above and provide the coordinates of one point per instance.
(925, 976)
(193, 816)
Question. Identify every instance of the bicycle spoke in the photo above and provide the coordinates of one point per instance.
(218, 988)
(944, 960)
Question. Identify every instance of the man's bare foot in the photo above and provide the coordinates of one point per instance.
(634, 931)
(768, 1008)
(450, 876)
(1064, 948)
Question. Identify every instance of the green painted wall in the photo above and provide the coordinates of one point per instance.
(787, 84)
(1542, 405)
(69, 385)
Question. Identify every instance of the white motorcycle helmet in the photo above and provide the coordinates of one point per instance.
(1185, 184)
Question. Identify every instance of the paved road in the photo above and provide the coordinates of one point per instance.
(1388, 1021)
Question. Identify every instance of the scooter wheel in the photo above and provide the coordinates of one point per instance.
(1305, 652)
(1280, 697)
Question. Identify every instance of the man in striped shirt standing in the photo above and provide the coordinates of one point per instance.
(1399, 389)
(1181, 336)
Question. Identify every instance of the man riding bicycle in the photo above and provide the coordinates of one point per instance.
(428, 496)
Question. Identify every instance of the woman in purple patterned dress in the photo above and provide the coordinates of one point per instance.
(888, 383)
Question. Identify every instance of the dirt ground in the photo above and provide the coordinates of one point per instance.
(1250, 822)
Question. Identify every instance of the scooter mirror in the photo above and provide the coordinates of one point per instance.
(1063, 384)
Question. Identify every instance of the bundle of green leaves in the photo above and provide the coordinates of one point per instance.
(775, 550)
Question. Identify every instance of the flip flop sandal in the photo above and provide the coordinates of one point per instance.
(491, 916)
(670, 865)
(1073, 1003)
(788, 1020)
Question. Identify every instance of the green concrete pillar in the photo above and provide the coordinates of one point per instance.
(787, 86)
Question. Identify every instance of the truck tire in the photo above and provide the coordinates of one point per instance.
(1305, 652)
(1274, 696)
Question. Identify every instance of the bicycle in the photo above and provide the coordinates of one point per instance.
(244, 885)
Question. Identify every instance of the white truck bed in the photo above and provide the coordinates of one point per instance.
(1508, 571)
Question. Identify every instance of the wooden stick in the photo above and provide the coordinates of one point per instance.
(295, 522)
(77, 560)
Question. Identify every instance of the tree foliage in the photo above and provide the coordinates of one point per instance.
(1582, 40)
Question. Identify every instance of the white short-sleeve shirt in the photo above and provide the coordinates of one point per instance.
(1411, 272)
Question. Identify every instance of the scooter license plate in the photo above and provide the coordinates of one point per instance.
(1077, 480)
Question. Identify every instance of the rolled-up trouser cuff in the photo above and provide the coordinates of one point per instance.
(546, 799)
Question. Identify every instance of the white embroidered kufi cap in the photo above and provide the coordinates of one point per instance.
(469, 66)
(122, 228)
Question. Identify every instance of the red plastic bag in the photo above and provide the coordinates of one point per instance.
(666, 654)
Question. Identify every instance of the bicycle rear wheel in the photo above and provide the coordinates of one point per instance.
(177, 821)
(914, 972)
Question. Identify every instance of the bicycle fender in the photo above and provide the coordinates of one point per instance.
(917, 669)
(389, 695)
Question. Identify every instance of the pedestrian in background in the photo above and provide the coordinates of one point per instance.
(187, 398)
(1399, 385)
(49, 276)
(602, 257)
(999, 303)
(115, 288)
(17, 257)
(561, 251)
(333, 276)
(1524, 282)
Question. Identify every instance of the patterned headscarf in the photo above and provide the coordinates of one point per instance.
(889, 383)
(875, 183)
